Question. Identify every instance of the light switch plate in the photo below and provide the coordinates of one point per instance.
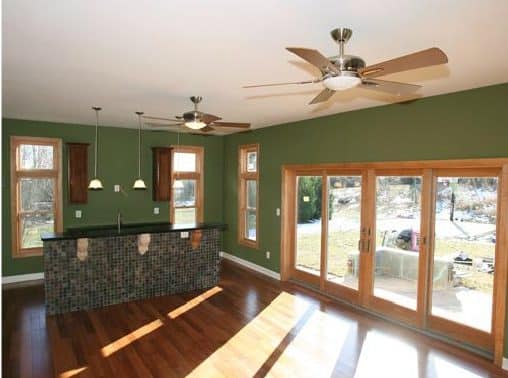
(77, 213)
(156, 210)
(268, 254)
(116, 188)
(184, 235)
(277, 212)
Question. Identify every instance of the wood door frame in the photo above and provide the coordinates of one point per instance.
(490, 341)
(378, 304)
(288, 234)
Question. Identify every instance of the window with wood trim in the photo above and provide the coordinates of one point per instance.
(36, 192)
(187, 184)
(248, 189)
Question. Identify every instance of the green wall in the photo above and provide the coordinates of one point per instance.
(117, 165)
(470, 124)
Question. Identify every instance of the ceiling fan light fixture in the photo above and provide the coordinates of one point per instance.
(195, 125)
(342, 82)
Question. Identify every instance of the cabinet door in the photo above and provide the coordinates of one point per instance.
(78, 172)
(161, 173)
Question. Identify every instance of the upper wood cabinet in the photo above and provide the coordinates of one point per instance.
(77, 163)
(161, 173)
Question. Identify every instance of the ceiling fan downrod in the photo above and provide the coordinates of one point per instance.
(341, 36)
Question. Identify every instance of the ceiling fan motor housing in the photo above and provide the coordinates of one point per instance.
(347, 62)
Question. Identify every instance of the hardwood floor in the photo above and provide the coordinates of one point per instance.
(247, 326)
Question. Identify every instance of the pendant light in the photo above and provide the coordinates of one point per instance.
(95, 183)
(139, 184)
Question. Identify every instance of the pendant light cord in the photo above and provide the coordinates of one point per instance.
(96, 134)
(139, 145)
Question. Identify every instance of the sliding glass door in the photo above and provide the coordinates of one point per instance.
(463, 261)
(417, 245)
(344, 223)
(396, 253)
(308, 228)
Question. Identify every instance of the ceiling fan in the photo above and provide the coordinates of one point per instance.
(342, 72)
(194, 119)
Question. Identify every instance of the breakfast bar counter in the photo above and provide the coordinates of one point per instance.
(99, 266)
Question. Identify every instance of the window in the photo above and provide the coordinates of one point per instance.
(248, 195)
(187, 185)
(36, 183)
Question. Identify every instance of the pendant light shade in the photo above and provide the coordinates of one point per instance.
(95, 183)
(139, 184)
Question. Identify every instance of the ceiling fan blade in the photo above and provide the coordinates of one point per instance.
(392, 87)
(238, 125)
(324, 95)
(315, 58)
(207, 129)
(424, 58)
(290, 83)
(161, 119)
(209, 118)
(153, 124)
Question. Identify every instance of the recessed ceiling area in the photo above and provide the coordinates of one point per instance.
(62, 57)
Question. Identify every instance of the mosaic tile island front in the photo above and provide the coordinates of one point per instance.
(114, 269)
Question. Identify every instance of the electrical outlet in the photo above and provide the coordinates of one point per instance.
(156, 210)
(268, 254)
(77, 214)
(184, 235)
(277, 212)
(117, 188)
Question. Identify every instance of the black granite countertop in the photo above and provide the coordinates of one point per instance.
(126, 229)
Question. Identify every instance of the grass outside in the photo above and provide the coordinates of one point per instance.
(342, 243)
(185, 215)
(31, 237)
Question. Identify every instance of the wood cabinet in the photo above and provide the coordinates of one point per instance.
(161, 173)
(77, 163)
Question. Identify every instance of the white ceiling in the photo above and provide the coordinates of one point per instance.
(60, 57)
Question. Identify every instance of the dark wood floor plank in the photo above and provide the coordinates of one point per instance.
(251, 326)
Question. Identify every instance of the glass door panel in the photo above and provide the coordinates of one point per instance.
(308, 227)
(398, 204)
(344, 223)
(464, 250)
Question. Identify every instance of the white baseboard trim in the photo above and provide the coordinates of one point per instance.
(22, 278)
(251, 265)
(505, 363)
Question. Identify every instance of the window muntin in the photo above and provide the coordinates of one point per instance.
(187, 185)
(35, 192)
(248, 195)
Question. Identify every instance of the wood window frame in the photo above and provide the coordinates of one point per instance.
(243, 176)
(17, 174)
(488, 166)
(198, 175)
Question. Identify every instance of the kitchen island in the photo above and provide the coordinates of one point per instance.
(99, 266)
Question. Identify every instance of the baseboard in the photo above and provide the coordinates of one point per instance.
(22, 278)
(505, 363)
(251, 265)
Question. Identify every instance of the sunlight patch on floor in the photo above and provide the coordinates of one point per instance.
(441, 368)
(194, 302)
(288, 338)
(122, 342)
(315, 349)
(142, 331)
(73, 372)
(386, 356)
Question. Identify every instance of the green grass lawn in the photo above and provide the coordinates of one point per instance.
(31, 237)
(341, 243)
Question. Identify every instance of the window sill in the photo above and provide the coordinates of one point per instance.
(249, 243)
(29, 252)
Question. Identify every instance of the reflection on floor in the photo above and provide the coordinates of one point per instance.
(247, 326)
